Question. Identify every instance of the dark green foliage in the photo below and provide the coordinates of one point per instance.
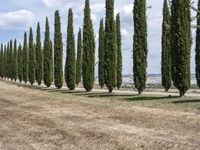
(58, 53)
(15, 63)
(197, 57)
(119, 52)
(181, 44)
(4, 62)
(70, 66)
(166, 55)
(110, 47)
(7, 69)
(101, 73)
(79, 58)
(1, 61)
(88, 50)
(10, 63)
(48, 57)
(38, 51)
(140, 50)
(31, 70)
(25, 59)
(20, 63)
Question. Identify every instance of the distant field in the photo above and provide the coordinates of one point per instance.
(39, 118)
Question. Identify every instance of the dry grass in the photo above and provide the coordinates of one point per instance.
(48, 120)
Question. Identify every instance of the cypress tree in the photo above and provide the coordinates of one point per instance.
(58, 53)
(88, 49)
(20, 63)
(31, 70)
(110, 47)
(119, 51)
(140, 50)
(4, 62)
(197, 57)
(11, 60)
(25, 59)
(181, 45)
(79, 58)
(15, 64)
(38, 51)
(166, 59)
(70, 66)
(1, 61)
(7, 61)
(48, 57)
(101, 73)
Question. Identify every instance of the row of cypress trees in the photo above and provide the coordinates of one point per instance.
(31, 62)
(176, 45)
(110, 54)
(34, 63)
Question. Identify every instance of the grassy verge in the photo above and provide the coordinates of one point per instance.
(188, 104)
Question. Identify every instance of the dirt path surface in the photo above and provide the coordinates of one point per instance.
(41, 120)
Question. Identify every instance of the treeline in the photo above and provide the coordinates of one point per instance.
(36, 62)
(176, 45)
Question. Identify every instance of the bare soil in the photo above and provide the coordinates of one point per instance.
(43, 120)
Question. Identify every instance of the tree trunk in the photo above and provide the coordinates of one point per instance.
(182, 93)
(139, 92)
(110, 89)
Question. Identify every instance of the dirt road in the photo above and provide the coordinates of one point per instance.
(34, 119)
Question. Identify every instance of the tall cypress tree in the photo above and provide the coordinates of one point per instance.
(101, 73)
(48, 57)
(7, 67)
(1, 61)
(197, 57)
(4, 61)
(38, 51)
(119, 51)
(58, 53)
(140, 50)
(31, 70)
(88, 49)
(70, 66)
(15, 64)
(20, 63)
(181, 45)
(110, 47)
(166, 55)
(11, 60)
(25, 59)
(79, 58)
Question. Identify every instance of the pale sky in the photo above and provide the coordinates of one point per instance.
(16, 16)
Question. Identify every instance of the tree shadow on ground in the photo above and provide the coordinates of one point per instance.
(52, 90)
(186, 101)
(107, 95)
(63, 91)
(96, 94)
(72, 92)
(150, 98)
